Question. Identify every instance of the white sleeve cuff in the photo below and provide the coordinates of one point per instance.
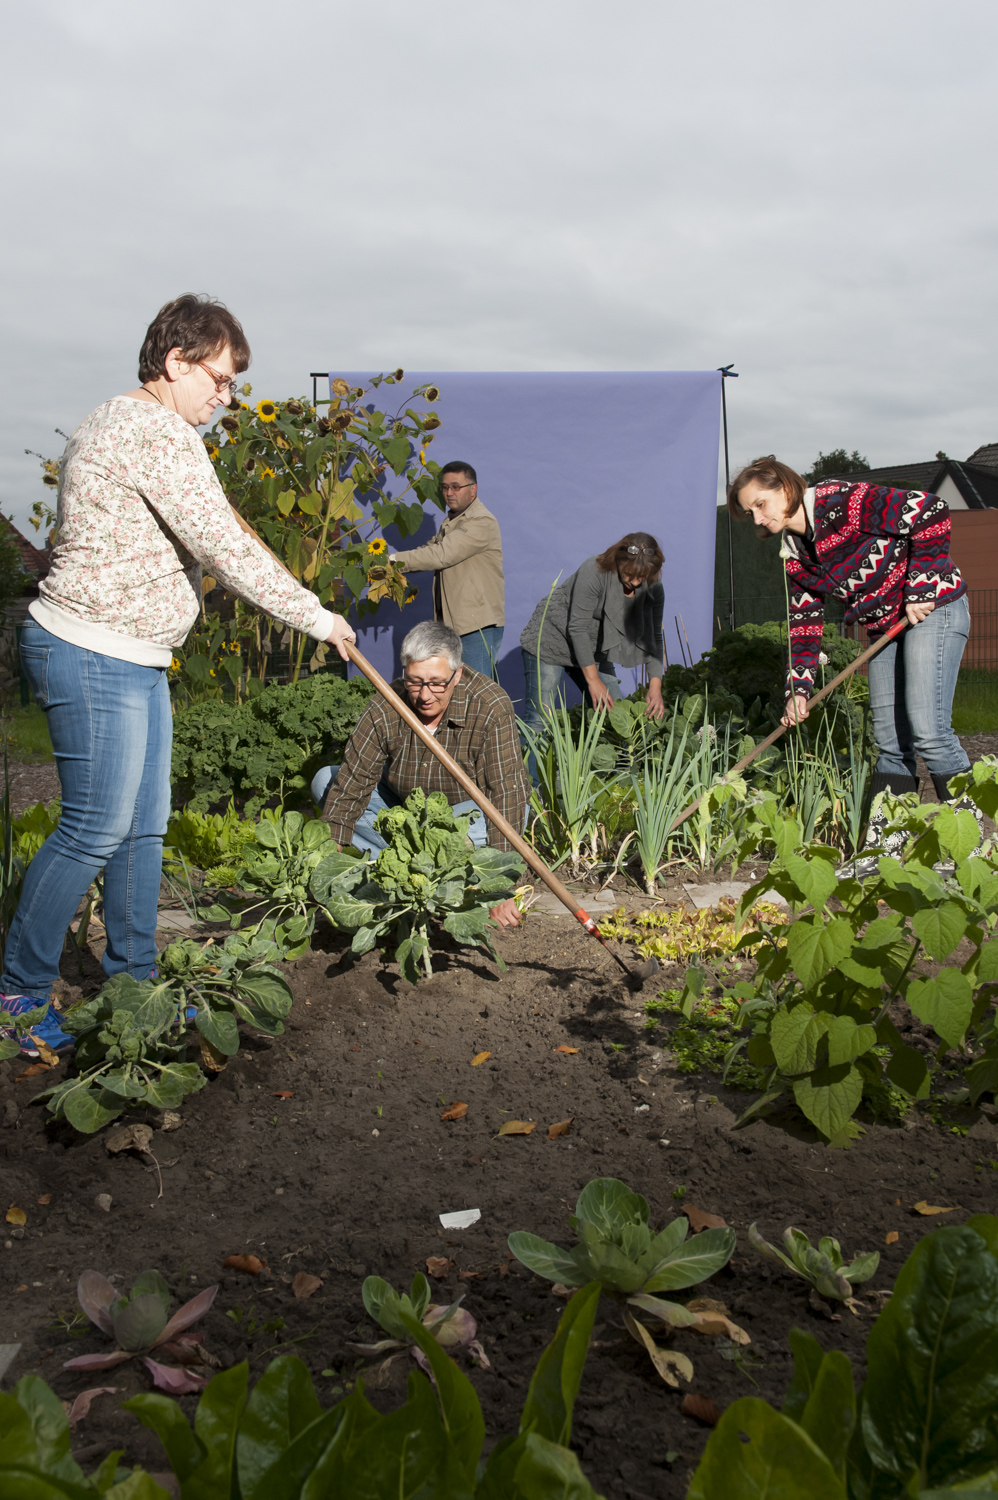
(322, 628)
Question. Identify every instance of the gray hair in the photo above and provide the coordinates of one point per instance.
(432, 638)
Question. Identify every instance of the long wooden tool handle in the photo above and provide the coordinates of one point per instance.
(463, 780)
(782, 728)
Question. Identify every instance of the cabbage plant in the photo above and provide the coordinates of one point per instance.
(823, 1267)
(618, 1248)
(139, 1322)
(452, 1327)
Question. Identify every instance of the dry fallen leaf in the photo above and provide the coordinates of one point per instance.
(559, 1289)
(45, 1198)
(471, 1276)
(891, 1238)
(45, 1052)
(16, 1215)
(250, 1265)
(34, 1070)
(667, 1362)
(438, 1266)
(702, 1408)
(284, 1093)
(170, 1120)
(456, 1112)
(714, 1320)
(305, 1285)
(23, 1287)
(931, 1208)
(565, 1049)
(213, 1060)
(562, 1128)
(700, 1219)
(80, 1408)
(479, 1058)
(518, 1127)
(129, 1138)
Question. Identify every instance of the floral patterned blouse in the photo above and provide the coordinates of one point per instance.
(140, 513)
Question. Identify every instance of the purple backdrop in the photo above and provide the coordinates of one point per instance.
(568, 463)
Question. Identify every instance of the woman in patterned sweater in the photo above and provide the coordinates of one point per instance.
(886, 553)
(140, 513)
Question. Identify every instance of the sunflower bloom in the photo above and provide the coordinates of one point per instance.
(266, 473)
(378, 546)
(266, 410)
(175, 664)
(212, 451)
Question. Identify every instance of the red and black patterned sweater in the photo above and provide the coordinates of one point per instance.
(877, 548)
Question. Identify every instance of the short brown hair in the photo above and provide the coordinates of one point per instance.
(196, 325)
(639, 551)
(772, 475)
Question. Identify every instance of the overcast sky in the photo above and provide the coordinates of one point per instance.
(807, 190)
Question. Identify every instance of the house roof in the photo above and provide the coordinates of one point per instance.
(35, 561)
(976, 479)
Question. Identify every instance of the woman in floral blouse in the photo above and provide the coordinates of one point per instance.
(140, 514)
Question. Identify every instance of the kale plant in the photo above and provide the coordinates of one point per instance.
(430, 876)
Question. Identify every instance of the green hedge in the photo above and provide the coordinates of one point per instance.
(268, 747)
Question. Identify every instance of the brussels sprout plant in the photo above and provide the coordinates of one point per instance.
(823, 1267)
(452, 1327)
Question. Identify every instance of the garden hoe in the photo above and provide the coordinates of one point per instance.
(635, 977)
(781, 728)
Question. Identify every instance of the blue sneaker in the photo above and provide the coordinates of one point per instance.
(48, 1029)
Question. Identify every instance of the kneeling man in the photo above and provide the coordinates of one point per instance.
(384, 760)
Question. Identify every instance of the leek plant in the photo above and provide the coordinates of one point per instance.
(569, 790)
(661, 791)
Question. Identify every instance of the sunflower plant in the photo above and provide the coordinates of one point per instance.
(321, 483)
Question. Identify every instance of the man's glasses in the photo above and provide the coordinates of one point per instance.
(452, 489)
(415, 685)
(224, 384)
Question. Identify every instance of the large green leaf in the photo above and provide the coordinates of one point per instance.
(830, 1096)
(50, 1429)
(216, 1424)
(459, 1404)
(940, 927)
(219, 1027)
(815, 878)
(945, 1003)
(331, 871)
(269, 990)
(986, 1225)
(547, 1471)
(930, 1408)
(164, 1417)
(281, 1405)
(779, 1461)
(84, 1111)
(167, 1089)
(545, 1259)
(847, 1040)
(556, 1380)
(349, 911)
(830, 1414)
(808, 1355)
(982, 1076)
(815, 947)
(987, 963)
(467, 926)
(694, 1261)
(957, 832)
(794, 1036)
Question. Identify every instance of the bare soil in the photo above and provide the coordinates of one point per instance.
(324, 1151)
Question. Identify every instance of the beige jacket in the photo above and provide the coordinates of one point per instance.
(466, 555)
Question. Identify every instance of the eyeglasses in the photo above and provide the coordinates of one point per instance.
(415, 685)
(223, 383)
(450, 489)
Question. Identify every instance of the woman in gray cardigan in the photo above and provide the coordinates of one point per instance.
(608, 614)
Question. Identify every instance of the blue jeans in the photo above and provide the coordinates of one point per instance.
(112, 731)
(547, 688)
(912, 682)
(366, 837)
(480, 649)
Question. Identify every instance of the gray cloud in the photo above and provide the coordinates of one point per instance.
(805, 190)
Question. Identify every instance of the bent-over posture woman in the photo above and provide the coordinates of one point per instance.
(886, 553)
(607, 614)
(140, 513)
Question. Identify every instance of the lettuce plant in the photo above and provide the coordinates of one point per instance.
(140, 1322)
(823, 1267)
(618, 1249)
(453, 1327)
(429, 876)
(132, 1037)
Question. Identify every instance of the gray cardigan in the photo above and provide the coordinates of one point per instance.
(589, 618)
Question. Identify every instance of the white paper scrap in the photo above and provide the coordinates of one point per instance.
(463, 1219)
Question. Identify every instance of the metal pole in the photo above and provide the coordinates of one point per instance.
(728, 373)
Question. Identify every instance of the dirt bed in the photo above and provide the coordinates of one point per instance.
(324, 1151)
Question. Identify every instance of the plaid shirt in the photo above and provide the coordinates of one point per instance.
(478, 731)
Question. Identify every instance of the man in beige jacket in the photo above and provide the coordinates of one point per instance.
(465, 557)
